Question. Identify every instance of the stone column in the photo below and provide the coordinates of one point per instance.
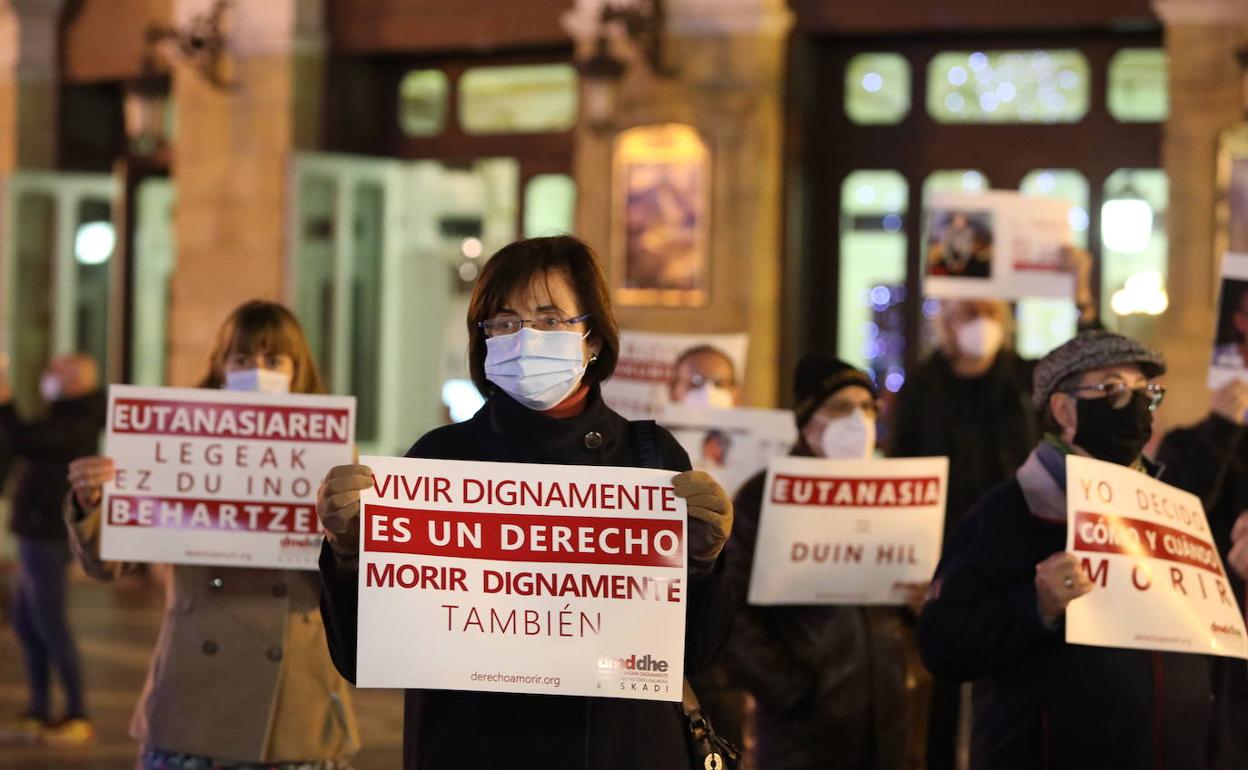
(1202, 37)
(729, 62)
(232, 162)
(28, 83)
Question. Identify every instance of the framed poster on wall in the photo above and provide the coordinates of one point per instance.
(660, 228)
(1231, 233)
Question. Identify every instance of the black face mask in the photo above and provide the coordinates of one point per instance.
(1114, 435)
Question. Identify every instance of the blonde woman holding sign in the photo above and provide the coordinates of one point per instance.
(543, 338)
(240, 679)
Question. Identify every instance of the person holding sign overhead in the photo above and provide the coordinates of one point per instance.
(836, 686)
(543, 337)
(968, 401)
(240, 679)
(995, 611)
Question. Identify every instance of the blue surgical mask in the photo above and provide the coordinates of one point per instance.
(257, 381)
(538, 369)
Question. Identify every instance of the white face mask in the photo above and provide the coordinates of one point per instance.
(709, 396)
(538, 369)
(980, 338)
(50, 388)
(257, 381)
(851, 437)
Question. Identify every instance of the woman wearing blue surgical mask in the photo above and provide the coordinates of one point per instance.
(240, 678)
(835, 687)
(543, 337)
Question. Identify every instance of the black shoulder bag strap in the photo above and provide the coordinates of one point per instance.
(707, 750)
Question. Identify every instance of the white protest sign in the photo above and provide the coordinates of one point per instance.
(1230, 339)
(998, 244)
(848, 531)
(639, 388)
(731, 444)
(1159, 583)
(220, 478)
(524, 578)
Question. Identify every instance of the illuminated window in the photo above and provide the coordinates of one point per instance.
(522, 99)
(549, 205)
(1043, 324)
(953, 180)
(1134, 244)
(877, 88)
(422, 102)
(1138, 91)
(870, 321)
(1008, 86)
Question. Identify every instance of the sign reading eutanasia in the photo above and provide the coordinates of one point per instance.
(848, 531)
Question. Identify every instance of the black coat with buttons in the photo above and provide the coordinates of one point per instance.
(446, 730)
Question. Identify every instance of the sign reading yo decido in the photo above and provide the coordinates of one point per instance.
(1159, 582)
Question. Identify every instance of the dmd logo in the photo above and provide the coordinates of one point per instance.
(292, 544)
(1227, 630)
(633, 663)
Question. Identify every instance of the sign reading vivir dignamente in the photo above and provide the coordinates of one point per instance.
(522, 578)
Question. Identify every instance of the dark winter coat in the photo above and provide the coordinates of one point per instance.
(837, 688)
(985, 425)
(446, 730)
(1039, 702)
(70, 430)
(1210, 460)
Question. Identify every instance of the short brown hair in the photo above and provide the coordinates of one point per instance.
(514, 267)
(260, 326)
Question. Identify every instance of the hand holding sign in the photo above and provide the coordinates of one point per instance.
(1078, 262)
(87, 476)
(1238, 557)
(915, 592)
(338, 506)
(708, 505)
(1059, 581)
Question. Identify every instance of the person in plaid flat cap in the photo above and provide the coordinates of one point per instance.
(995, 612)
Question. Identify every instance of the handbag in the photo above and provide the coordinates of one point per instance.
(707, 750)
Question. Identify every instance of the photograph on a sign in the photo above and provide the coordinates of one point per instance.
(1230, 340)
(640, 387)
(848, 531)
(731, 444)
(522, 578)
(1158, 580)
(997, 244)
(220, 478)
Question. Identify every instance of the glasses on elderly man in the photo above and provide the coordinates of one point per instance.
(1119, 394)
(501, 326)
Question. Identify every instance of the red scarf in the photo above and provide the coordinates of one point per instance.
(571, 406)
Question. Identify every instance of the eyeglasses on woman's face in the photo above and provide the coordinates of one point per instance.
(505, 324)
